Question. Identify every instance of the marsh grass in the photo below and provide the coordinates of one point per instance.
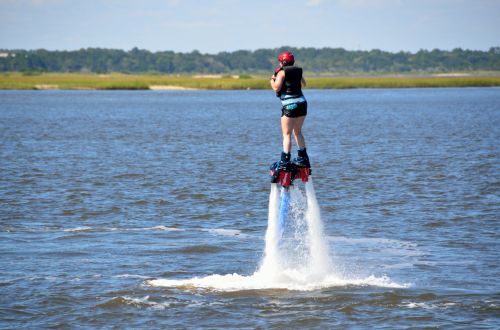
(403, 82)
(141, 82)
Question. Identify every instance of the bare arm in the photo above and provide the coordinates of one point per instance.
(303, 82)
(277, 82)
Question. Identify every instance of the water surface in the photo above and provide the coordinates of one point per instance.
(102, 191)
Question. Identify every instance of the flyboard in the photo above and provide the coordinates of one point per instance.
(284, 176)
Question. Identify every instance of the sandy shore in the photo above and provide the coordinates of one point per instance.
(46, 86)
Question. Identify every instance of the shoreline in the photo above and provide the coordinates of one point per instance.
(117, 81)
(171, 88)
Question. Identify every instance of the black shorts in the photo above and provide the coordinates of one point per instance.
(294, 110)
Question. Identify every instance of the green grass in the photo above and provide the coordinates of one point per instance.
(144, 81)
(404, 82)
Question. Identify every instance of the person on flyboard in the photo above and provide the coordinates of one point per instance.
(287, 81)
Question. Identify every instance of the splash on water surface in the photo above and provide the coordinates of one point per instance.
(296, 255)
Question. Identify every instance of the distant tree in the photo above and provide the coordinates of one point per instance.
(318, 60)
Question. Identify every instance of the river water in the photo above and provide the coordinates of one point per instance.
(105, 194)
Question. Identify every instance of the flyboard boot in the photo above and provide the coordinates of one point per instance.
(284, 172)
(302, 165)
(281, 170)
(302, 159)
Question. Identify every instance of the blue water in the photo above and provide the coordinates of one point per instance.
(102, 191)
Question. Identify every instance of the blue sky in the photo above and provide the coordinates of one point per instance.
(211, 26)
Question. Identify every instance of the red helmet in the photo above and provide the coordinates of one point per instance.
(286, 58)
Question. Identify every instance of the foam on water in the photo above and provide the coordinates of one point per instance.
(144, 302)
(289, 279)
(131, 276)
(296, 257)
(78, 229)
(224, 232)
(103, 229)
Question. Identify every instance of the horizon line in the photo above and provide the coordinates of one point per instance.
(247, 50)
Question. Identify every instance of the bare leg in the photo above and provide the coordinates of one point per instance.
(297, 131)
(287, 125)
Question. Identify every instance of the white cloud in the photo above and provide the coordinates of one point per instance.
(313, 3)
(355, 3)
(46, 2)
(368, 3)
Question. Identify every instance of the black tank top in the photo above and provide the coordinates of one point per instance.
(292, 85)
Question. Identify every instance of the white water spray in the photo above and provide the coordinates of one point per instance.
(272, 237)
(296, 255)
(299, 256)
(320, 258)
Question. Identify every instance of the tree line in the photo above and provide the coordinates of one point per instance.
(323, 60)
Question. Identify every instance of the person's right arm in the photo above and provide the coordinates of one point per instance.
(277, 82)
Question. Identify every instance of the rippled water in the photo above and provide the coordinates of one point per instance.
(101, 192)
